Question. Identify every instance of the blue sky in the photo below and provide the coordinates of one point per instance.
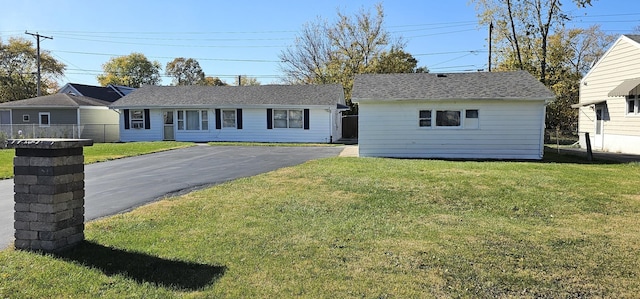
(231, 38)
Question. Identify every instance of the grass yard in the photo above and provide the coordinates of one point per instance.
(100, 152)
(364, 228)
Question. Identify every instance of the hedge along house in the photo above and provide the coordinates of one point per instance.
(497, 115)
(268, 113)
(609, 106)
(60, 115)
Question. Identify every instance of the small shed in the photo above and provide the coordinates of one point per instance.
(481, 115)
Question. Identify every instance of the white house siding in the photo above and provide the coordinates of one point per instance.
(154, 133)
(621, 62)
(506, 130)
(254, 128)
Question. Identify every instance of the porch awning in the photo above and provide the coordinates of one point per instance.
(624, 88)
(588, 103)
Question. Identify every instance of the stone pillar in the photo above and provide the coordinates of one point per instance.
(49, 193)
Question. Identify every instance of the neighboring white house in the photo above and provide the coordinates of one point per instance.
(482, 115)
(267, 113)
(609, 107)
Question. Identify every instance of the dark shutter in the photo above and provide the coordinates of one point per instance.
(306, 119)
(218, 120)
(239, 118)
(269, 119)
(126, 119)
(147, 119)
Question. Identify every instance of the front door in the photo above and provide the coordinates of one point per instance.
(169, 129)
(598, 138)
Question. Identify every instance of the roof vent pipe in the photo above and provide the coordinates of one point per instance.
(441, 75)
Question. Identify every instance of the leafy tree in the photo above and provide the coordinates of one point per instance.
(396, 61)
(525, 25)
(571, 52)
(246, 81)
(213, 81)
(132, 70)
(18, 68)
(185, 71)
(335, 52)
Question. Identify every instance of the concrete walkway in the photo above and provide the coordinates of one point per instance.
(349, 151)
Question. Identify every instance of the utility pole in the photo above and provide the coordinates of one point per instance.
(490, 32)
(38, 36)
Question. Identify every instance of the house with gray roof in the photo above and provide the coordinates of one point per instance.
(481, 115)
(609, 105)
(60, 115)
(266, 113)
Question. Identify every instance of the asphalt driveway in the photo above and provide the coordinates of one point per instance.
(121, 185)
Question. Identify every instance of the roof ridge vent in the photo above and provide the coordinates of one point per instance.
(441, 75)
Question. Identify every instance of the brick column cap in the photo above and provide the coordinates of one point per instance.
(48, 143)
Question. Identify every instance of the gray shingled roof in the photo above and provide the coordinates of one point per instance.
(185, 96)
(634, 37)
(462, 86)
(58, 100)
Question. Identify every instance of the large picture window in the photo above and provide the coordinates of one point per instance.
(288, 118)
(447, 118)
(192, 120)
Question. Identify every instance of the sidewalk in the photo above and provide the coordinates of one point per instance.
(349, 151)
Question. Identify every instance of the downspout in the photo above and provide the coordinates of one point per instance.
(330, 126)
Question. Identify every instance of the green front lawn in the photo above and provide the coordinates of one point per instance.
(100, 152)
(364, 228)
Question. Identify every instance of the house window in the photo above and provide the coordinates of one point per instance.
(633, 105)
(424, 119)
(136, 119)
(447, 118)
(193, 120)
(471, 119)
(288, 118)
(228, 118)
(44, 119)
(25, 118)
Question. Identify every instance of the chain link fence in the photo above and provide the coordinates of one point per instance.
(97, 132)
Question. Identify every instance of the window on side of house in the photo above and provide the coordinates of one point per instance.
(25, 118)
(448, 118)
(44, 119)
(424, 118)
(293, 118)
(192, 120)
(471, 119)
(228, 118)
(633, 104)
(136, 118)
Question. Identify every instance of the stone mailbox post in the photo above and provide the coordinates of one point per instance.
(49, 193)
